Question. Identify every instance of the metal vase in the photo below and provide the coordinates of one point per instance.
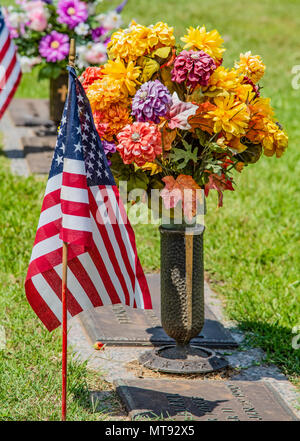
(58, 94)
(182, 282)
(182, 304)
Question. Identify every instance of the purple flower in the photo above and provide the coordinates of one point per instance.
(54, 47)
(151, 102)
(72, 12)
(194, 67)
(98, 33)
(120, 8)
(109, 147)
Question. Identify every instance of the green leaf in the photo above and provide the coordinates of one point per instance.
(150, 67)
(162, 52)
(184, 155)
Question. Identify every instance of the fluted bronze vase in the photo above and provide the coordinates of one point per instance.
(182, 303)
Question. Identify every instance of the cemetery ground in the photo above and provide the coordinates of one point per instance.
(252, 244)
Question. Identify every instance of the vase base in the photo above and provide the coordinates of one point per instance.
(186, 360)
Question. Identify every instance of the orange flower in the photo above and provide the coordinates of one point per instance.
(200, 120)
(90, 75)
(111, 121)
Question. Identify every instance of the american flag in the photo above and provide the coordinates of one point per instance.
(82, 207)
(10, 70)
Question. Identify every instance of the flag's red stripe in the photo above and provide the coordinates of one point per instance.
(75, 208)
(9, 98)
(83, 238)
(51, 199)
(5, 49)
(49, 260)
(139, 270)
(99, 264)
(109, 247)
(40, 307)
(118, 235)
(48, 230)
(74, 180)
(53, 279)
(84, 279)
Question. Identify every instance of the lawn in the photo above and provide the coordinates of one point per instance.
(252, 244)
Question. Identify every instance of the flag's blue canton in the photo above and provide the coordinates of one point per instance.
(1, 21)
(78, 138)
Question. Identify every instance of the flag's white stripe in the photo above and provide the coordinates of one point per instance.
(46, 246)
(4, 35)
(98, 196)
(106, 260)
(125, 236)
(75, 288)
(7, 60)
(48, 295)
(74, 166)
(74, 194)
(10, 84)
(93, 273)
(53, 184)
(78, 223)
(50, 215)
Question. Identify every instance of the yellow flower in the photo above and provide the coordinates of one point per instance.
(245, 93)
(251, 66)
(274, 140)
(129, 44)
(209, 42)
(105, 92)
(126, 75)
(138, 40)
(164, 34)
(222, 82)
(230, 115)
(154, 168)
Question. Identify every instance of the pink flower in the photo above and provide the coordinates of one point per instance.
(96, 54)
(54, 47)
(194, 67)
(139, 142)
(37, 15)
(180, 112)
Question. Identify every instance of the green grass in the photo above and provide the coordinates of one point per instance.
(251, 245)
(30, 364)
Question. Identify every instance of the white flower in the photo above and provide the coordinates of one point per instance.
(27, 63)
(111, 20)
(16, 18)
(82, 29)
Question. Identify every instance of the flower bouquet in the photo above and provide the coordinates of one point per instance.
(173, 118)
(41, 29)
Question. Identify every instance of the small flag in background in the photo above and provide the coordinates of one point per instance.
(10, 70)
(82, 207)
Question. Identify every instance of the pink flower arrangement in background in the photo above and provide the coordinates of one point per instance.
(42, 29)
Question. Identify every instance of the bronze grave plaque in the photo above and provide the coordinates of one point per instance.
(38, 152)
(29, 112)
(202, 400)
(120, 325)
